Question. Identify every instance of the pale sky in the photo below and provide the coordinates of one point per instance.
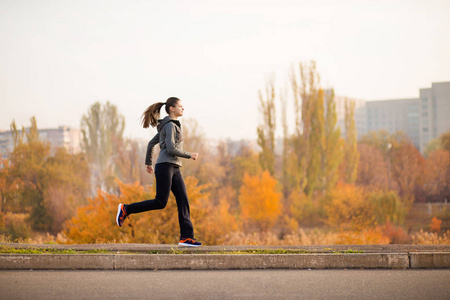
(59, 57)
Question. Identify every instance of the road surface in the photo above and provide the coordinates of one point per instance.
(248, 284)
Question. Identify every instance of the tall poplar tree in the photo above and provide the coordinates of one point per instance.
(316, 141)
(351, 143)
(333, 153)
(308, 138)
(102, 129)
(285, 177)
(266, 131)
(316, 170)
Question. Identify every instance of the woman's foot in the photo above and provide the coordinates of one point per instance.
(121, 214)
(189, 242)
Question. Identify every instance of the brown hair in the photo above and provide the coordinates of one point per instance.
(151, 114)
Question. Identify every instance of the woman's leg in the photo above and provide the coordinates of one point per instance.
(163, 174)
(179, 190)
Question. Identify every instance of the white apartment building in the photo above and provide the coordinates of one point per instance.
(434, 112)
(395, 115)
(422, 119)
(63, 136)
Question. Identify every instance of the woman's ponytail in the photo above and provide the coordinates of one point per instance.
(151, 114)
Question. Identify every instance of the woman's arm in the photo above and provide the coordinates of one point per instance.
(151, 145)
(173, 147)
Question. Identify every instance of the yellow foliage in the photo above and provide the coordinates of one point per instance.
(260, 201)
(431, 238)
(316, 237)
(307, 210)
(298, 203)
(349, 208)
(15, 225)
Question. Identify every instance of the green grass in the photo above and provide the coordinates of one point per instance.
(11, 250)
(348, 251)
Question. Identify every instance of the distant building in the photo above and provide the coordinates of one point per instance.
(395, 115)
(63, 136)
(422, 119)
(434, 112)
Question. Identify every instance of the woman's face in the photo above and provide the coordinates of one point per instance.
(177, 110)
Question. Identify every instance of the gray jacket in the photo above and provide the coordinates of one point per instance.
(170, 142)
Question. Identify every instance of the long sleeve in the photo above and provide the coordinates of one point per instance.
(174, 148)
(151, 145)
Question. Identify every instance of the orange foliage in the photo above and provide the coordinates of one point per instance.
(95, 223)
(396, 234)
(260, 201)
(371, 236)
(9, 186)
(435, 225)
(349, 208)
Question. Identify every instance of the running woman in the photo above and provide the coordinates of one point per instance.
(167, 168)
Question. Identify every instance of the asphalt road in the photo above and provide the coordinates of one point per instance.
(252, 284)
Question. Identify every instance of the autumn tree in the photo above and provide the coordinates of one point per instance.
(129, 162)
(9, 186)
(432, 146)
(259, 201)
(388, 207)
(245, 160)
(95, 221)
(49, 187)
(28, 159)
(333, 153)
(390, 146)
(437, 175)
(102, 129)
(266, 130)
(445, 141)
(351, 148)
(286, 177)
(372, 168)
(66, 186)
(194, 141)
(384, 141)
(349, 209)
(408, 169)
(308, 142)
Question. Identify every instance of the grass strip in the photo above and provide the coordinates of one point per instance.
(11, 250)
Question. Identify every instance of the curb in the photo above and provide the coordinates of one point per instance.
(430, 260)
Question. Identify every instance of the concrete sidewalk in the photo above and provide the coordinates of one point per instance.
(173, 257)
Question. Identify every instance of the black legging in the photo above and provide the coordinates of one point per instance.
(168, 177)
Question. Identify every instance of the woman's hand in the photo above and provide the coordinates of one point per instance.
(194, 156)
(150, 169)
